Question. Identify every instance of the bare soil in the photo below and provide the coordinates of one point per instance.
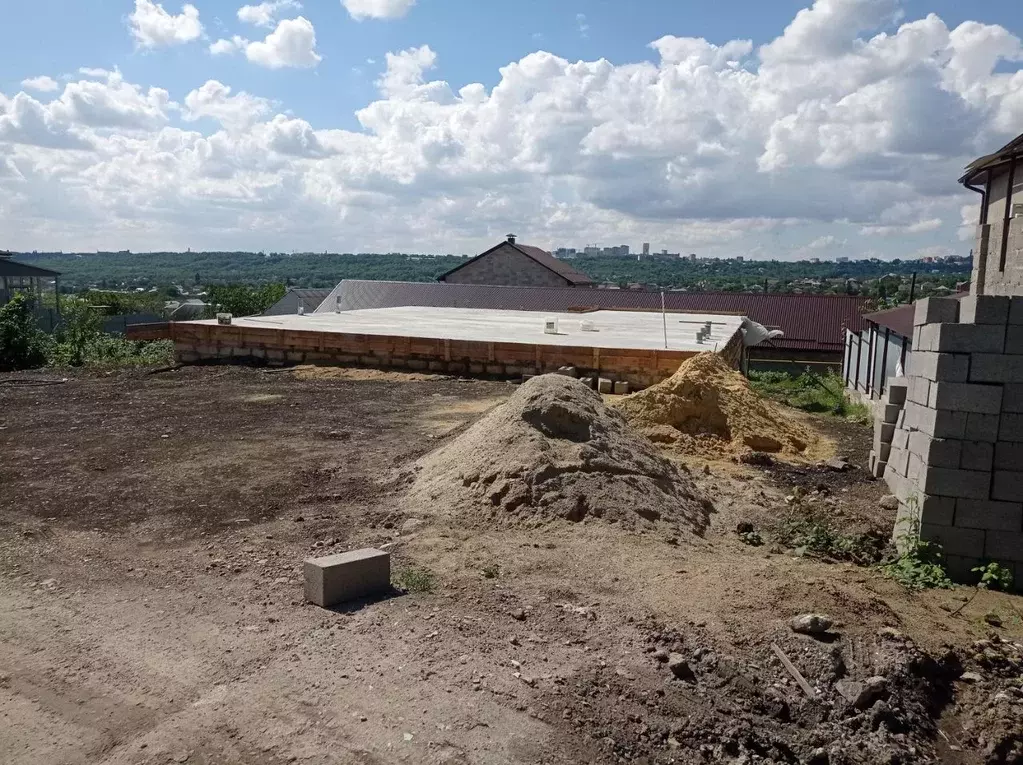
(152, 529)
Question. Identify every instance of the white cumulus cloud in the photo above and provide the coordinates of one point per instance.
(42, 83)
(265, 14)
(720, 148)
(377, 9)
(291, 44)
(154, 27)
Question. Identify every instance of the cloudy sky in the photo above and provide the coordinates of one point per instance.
(765, 129)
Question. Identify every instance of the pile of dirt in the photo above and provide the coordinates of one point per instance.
(708, 407)
(554, 451)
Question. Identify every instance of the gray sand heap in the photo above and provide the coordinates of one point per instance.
(554, 451)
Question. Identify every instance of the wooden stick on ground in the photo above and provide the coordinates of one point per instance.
(793, 671)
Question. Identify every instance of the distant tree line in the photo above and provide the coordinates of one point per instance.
(885, 280)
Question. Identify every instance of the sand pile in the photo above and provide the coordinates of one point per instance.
(708, 407)
(554, 451)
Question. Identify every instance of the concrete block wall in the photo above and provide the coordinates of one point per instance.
(955, 456)
(989, 277)
(195, 342)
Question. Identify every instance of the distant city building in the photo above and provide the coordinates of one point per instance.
(842, 260)
(591, 250)
(646, 248)
(739, 259)
(692, 257)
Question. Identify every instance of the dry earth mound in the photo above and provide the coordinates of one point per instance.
(708, 407)
(554, 451)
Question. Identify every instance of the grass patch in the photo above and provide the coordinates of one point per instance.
(811, 392)
(415, 580)
(821, 539)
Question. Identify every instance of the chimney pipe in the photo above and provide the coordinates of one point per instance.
(511, 238)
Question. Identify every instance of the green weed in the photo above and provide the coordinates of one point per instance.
(994, 576)
(415, 580)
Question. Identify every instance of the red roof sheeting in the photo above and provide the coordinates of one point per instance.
(810, 322)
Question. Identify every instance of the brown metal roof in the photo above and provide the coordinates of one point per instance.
(561, 268)
(810, 322)
(1004, 154)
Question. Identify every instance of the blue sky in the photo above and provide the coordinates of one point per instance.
(633, 174)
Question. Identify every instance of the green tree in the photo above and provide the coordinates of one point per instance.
(242, 300)
(22, 343)
(80, 326)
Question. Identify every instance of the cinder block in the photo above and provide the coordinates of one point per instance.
(984, 309)
(475, 368)
(941, 423)
(1011, 428)
(948, 482)
(919, 390)
(996, 368)
(949, 367)
(955, 541)
(935, 310)
(937, 452)
(915, 470)
(334, 579)
(963, 338)
(1004, 546)
(901, 438)
(1016, 310)
(989, 514)
(621, 388)
(901, 422)
(977, 455)
(1008, 456)
(884, 432)
(1007, 486)
(896, 391)
(604, 385)
(1012, 398)
(982, 427)
(898, 462)
(965, 397)
(960, 569)
(937, 510)
(890, 413)
(883, 452)
(1014, 340)
(589, 382)
(568, 371)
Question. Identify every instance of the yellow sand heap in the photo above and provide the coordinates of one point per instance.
(708, 407)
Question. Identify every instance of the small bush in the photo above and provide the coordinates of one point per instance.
(994, 576)
(821, 539)
(415, 580)
(920, 566)
(22, 343)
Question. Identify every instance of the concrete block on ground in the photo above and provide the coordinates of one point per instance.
(568, 371)
(965, 397)
(996, 368)
(977, 455)
(884, 432)
(890, 413)
(901, 422)
(1004, 546)
(915, 470)
(1007, 485)
(984, 309)
(989, 514)
(883, 452)
(898, 461)
(621, 388)
(949, 482)
(937, 452)
(589, 382)
(1011, 428)
(955, 541)
(896, 391)
(935, 310)
(604, 385)
(982, 427)
(949, 367)
(347, 576)
(962, 338)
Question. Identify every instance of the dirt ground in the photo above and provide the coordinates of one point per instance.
(152, 529)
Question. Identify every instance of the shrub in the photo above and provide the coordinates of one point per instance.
(22, 343)
(994, 576)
